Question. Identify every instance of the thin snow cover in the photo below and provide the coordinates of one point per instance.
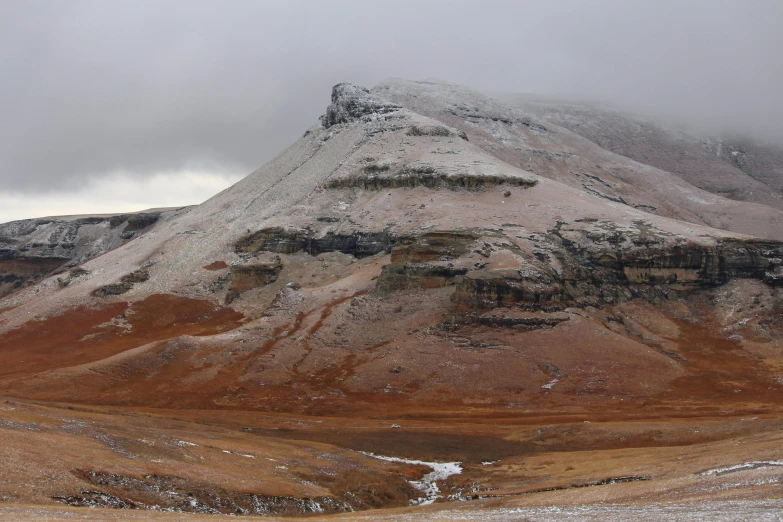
(428, 483)
(723, 511)
(185, 443)
(745, 465)
(550, 384)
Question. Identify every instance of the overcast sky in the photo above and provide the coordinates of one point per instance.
(114, 105)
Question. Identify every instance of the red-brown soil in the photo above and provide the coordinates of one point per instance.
(673, 397)
(83, 335)
(217, 265)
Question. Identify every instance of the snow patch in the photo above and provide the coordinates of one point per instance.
(428, 483)
(247, 456)
(744, 466)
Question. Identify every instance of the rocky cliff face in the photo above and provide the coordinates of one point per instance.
(351, 102)
(596, 270)
(591, 264)
(283, 241)
(248, 276)
(34, 248)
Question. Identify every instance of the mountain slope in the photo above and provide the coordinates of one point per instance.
(735, 167)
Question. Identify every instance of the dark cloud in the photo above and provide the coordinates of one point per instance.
(95, 87)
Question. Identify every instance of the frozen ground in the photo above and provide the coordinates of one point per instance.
(741, 511)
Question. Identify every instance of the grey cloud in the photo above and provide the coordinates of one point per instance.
(91, 87)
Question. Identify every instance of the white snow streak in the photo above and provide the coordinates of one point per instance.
(745, 465)
(428, 483)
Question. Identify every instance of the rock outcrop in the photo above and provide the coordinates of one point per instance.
(424, 176)
(283, 241)
(424, 261)
(245, 277)
(134, 222)
(586, 263)
(125, 285)
(351, 102)
(597, 270)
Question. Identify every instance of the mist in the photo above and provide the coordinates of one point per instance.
(100, 99)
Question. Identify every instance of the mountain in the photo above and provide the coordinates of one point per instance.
(427, 274)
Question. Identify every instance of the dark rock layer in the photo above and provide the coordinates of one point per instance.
(125, 285)
(182, 495)
(284, 241)
(424, 177)
(595, 266)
